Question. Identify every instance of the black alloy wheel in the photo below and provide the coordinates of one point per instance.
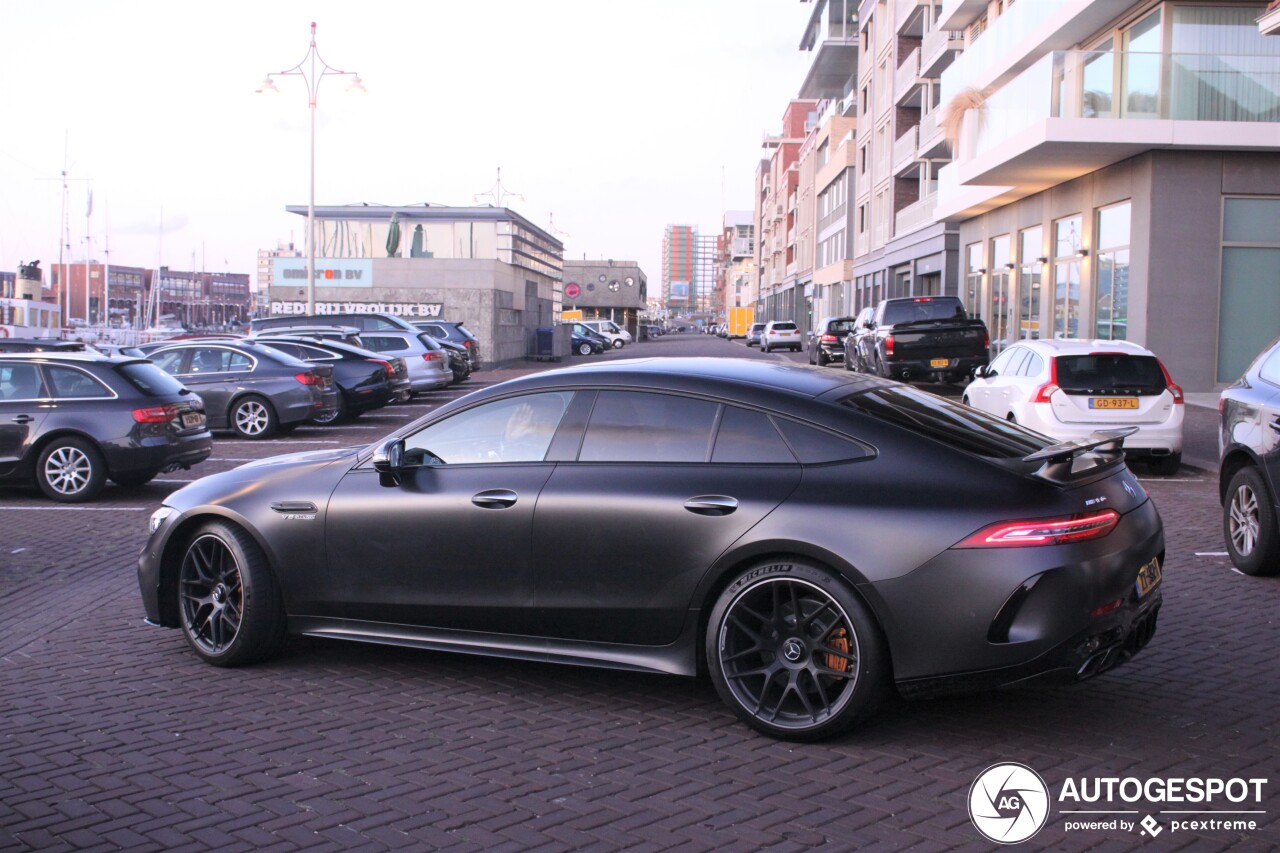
(794, 652)
(334, 415)
(1249, 524)
(228, 600)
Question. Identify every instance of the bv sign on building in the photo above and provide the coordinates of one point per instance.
(330, 272)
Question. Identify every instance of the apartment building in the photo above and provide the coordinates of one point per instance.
(736, 251)
(1116, 174)
(776, 200)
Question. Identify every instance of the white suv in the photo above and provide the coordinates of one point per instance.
(781, 333)
(1069, 389)
(617, 335)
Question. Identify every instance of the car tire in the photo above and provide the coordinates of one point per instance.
(584, 349)
(794, 652)
(1165, 466)
(764, 347)
(70, 470)
(822, 359)
(133, 479)
(848, 363)
(618, 344)
(252, 417)
(1249, 524)
(229, 603)
(338, 414)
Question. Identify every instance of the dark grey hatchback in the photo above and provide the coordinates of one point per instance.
(810, 538)
(69, 421)
(1249, 473)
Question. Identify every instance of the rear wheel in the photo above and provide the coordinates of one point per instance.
(253, 417)
(70, 470)
(794, 652)
(230, 605)
(1249, 523)
(334, 415)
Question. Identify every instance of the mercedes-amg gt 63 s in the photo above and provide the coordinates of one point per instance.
(811, 539)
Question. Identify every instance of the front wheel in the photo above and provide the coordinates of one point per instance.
(230, 605)
(1249, 523)
(794, 652)
(618, 343)
(253, 417)
(584, 349)
(70, 470)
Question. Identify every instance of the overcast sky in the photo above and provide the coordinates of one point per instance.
(614, 118)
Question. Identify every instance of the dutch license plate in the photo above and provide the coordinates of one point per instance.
(1113, 402)
(1148, 577)
(939, 362)
(192, 419)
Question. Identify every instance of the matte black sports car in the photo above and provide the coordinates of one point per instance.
(808, 537)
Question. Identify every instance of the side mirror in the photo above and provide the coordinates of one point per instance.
(983, 371)
(388, 461)
(870, 324)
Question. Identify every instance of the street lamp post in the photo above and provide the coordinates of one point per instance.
(312, 69)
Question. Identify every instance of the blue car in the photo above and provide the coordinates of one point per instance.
(582, 345)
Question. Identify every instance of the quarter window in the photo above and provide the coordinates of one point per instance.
(746, 436)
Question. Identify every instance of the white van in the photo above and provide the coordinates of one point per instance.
(611, 330)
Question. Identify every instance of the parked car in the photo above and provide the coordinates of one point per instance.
(1249, 469)
(342, 334)
(779, 334)
(365, 380)
(40, 345)
(455, 332)
(1067, 389)
(826, 341)
(591, 334)
(618, 336)
(582, 345)
(918, 338)
(250, 388)
(70, 421)
(754, 333)
(428, 362)
(983, 555)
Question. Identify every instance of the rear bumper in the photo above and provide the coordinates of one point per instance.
(920, 367)
(158, 453)
(1157, 439)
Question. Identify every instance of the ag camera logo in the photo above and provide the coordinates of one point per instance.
(1008, 803)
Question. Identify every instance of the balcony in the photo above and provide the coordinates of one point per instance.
(1075, 112)
(906, 81)
(937, 51)
(835, 47)
(933, 143)
(861, 244)
(916, 216)
(958, 14)
(904, 150)
(908, 17)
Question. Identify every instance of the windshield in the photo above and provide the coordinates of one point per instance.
(949, 422)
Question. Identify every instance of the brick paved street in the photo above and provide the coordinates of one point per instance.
(114, 736)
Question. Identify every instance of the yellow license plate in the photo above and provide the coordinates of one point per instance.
(939, 362)
(1113, 402)
(1148, 577)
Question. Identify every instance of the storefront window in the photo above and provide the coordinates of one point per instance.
(1066, 277)
(1030, 245)
(1111, 297)
(1000, 312)
(972, 279)
(1249, 313)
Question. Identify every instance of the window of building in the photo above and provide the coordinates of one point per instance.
(1030, 245)
(1111, 294)
(973, 279)
(1066, 277)
(999, 306)
(1249, 312)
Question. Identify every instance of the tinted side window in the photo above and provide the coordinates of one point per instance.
(517, 429)
(746, 436)
(640, 426)
(170, 361)
(289, 349)
(815, 446)
(384, 343)
(20, 382)
(68, 383)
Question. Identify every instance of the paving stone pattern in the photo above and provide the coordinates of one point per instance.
(114, 736)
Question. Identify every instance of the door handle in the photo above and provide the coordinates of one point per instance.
(23, 419)
(494, 499)
(1275, 424)
(711, 504)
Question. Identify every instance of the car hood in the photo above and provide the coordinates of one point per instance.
(288, 474)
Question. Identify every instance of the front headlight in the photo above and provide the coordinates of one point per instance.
(158, 518)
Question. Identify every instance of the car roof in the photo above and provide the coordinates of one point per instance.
(1081, 347)
(84, 356)
(799, 379)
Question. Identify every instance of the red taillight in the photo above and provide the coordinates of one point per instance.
(307, 378)
(472, 345)
(1043, 531)
(1175, 389)
(432, 356)
(155, 414)
(1109, 607)
(986, 339)
(888, 345)
(1048, 389)
(386, 365)
(829, 339)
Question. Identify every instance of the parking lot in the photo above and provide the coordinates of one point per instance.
(115, 736)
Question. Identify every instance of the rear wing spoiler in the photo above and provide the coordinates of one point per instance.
(1059, 459)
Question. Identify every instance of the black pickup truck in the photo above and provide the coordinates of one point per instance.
(918, 337)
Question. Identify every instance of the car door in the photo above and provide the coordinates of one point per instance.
(984, 392)
(624, 533)
(24, 406)
(207, 371)
(450, 547)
